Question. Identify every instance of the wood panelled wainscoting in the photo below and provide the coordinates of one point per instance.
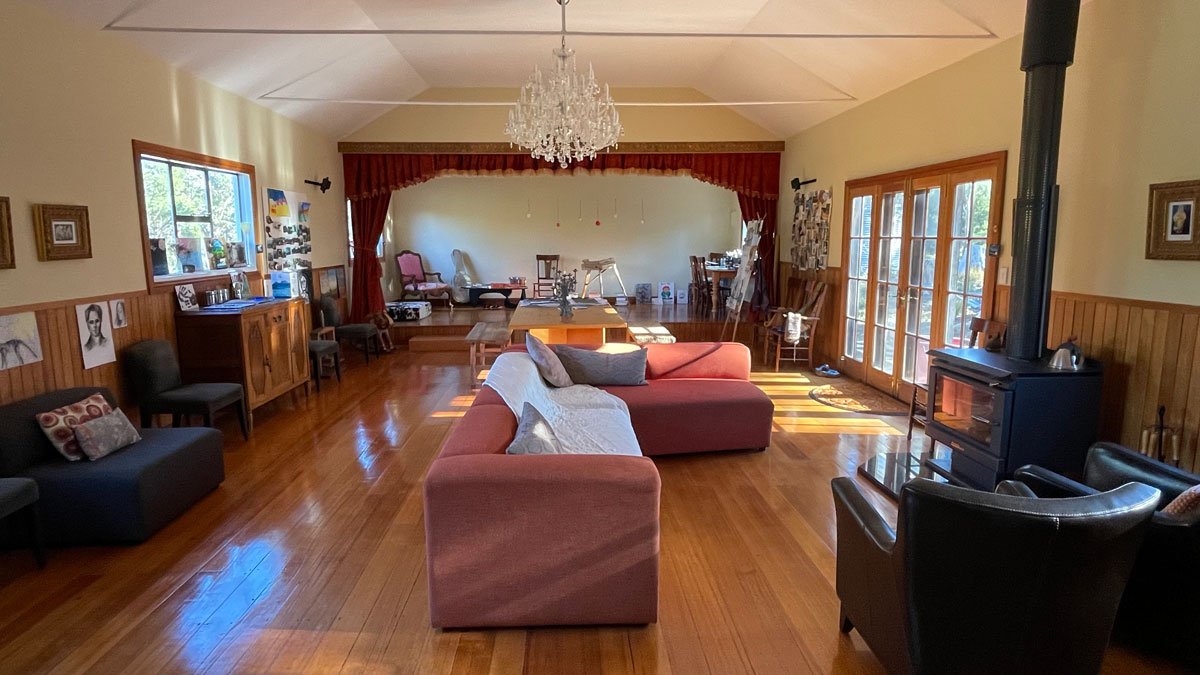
(828, 344)
(150, 316)
(1151, 357)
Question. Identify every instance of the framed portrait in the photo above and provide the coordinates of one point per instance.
(1171, 224)
(62, 232)
(7, 261)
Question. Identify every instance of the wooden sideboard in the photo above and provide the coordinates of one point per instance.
(264, 347)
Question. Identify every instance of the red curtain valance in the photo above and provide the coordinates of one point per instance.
(754, 176)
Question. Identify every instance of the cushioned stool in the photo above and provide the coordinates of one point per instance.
(318, 351)
(21, 494)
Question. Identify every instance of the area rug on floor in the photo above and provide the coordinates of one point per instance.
(857, 397)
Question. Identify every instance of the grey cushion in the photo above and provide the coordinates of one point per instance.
(133, 492)
(584, 366)
(16, 494)
(22, 441)
(534, 435)
(105, 434)
(199, 397)
(356, 331)
(547, 362)
(323, 347)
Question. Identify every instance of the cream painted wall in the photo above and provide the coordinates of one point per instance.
(486, 124)
(1129, 120)
(485, 216)
(73, 98)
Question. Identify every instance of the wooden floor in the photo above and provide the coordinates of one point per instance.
(310, 558)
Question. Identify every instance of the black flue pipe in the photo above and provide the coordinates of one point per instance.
(1049, 47)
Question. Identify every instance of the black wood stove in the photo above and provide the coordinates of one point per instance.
(997, 412)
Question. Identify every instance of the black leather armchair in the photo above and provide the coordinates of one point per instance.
(1158, 612)
(974, 582)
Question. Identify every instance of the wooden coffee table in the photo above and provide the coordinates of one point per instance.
(587, 327)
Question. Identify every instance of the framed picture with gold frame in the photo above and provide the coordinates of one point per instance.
(7, 261)
(1171, 223)
(62, 232)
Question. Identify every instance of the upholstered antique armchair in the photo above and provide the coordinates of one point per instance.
(1159, 610)
(975, 582)
(415, 280)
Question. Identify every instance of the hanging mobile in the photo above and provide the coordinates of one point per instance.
(615, 216)
(528, 207)
(557, 214)
(597, 213)
(643, 211)
(581, 210)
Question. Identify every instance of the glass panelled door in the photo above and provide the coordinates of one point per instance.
(858, 262)
(888, 258)
(918, 298)
(917, 269)
(967, 253)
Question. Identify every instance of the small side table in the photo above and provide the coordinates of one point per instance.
(486, 338)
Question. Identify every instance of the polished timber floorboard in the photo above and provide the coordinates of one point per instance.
(310, 558)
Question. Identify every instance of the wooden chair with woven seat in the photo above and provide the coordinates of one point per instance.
(414, 279)
(701, 294)
(776, 330)
(547, 269)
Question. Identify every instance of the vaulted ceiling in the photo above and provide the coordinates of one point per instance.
(338, 64)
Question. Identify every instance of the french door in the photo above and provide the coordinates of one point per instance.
(917, 267)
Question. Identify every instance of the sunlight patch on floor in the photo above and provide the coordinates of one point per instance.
(440, 414)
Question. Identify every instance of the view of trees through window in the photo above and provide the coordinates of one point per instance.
(198, 219)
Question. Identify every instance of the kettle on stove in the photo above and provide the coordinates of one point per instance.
(1068, 356)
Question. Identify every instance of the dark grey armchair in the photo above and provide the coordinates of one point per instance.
(1158, 612)
(975, 582)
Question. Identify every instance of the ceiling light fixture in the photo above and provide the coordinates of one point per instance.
(564, 116)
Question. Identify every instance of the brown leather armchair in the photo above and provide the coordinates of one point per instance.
(1158, 612)
(975, 582)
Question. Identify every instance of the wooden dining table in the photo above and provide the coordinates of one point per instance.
(717, 273)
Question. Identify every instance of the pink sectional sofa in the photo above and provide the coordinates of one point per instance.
(573, 539)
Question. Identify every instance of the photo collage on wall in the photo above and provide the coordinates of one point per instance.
(289, 243)
(810, 230)
(289, 239)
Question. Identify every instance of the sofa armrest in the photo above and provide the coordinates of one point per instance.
(1110, 465)
(542, 540)
(1049, 485)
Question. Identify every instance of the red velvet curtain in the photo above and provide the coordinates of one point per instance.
(368, 216)
(754, 176)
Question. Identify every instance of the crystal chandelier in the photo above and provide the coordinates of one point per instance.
(563, 116)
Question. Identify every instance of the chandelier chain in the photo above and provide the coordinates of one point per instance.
(565, 115)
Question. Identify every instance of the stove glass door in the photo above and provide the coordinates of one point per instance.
(966, 407)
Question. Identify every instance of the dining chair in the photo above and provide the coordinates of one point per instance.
(153, 372)
(547, 269)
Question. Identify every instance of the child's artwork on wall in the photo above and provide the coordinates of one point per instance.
(20, 342)
(666, 292)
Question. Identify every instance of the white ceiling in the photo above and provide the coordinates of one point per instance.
(800, 52)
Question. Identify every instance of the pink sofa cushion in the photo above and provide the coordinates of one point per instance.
(483, 430)
(720, 360)
(675, 416)
(488, 396)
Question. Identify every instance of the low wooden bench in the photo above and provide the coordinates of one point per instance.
(486, 338)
